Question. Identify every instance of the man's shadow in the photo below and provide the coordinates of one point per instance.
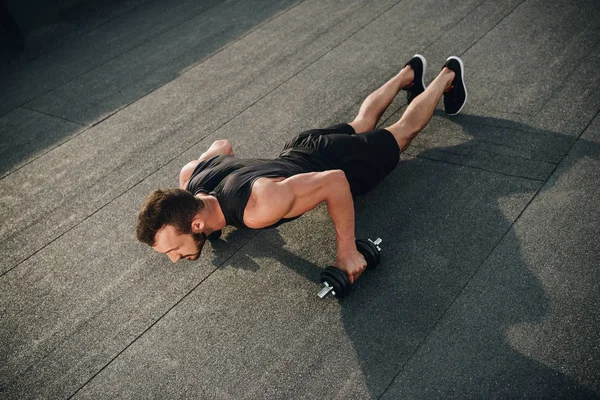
(440, 223)
(441, 238)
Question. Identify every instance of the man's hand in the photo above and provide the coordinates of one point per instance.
(275, 198)
(352, 262)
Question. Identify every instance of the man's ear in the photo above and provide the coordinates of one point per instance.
(197, 225)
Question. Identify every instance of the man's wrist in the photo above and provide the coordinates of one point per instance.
(346, 245)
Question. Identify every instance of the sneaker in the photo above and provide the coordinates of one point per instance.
(418, 65)
(455, 97)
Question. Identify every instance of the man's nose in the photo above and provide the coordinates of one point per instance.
(174, 257)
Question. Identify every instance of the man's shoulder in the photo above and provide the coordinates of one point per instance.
(263, 190)
(210, 173)
(269, 201)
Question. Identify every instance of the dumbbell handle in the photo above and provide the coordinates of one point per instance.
(328, 289)
(376, 242)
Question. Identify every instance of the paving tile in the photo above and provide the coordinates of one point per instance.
(77, 178)
(90, 311)
(497, 130)
(72, 307)
(538, 68)
(331, 90)
(256, 329)
(526, 325)
(492, 144)
(28, 134)
(46, 29)
(124, 79)
(94, 48)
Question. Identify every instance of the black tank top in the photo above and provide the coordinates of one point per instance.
(230, 179)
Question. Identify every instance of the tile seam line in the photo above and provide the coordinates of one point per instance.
(80, 327)
(254, 236)
(83, 32)
(177, 302)
(493, 27)
(84, 128)
(460, 292)
(48, 150)
(241, 247)
(456, 23)
(422, 342)
(576, 66)
(487, 151)
(557, 165)
(24, 105)
(196, 142)
(113, 58)
(462, 53)
(427, 46)
(479, 168)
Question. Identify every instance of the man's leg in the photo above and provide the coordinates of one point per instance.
(377, 102)
(421, 109)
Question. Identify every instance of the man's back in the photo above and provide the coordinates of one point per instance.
(230, 179)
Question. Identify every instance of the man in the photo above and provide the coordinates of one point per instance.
(324, 165)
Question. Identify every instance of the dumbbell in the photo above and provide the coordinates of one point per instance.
(335, 281)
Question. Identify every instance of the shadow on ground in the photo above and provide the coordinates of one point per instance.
(127, 54)
(411, 317)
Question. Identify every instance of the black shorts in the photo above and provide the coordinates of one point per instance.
(366, 158)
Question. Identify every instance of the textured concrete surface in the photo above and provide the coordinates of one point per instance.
(488, 286)
(526, 325)
(27, 134)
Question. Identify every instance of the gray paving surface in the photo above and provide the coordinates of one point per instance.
(489, 284)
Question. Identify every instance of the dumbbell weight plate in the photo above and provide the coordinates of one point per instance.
(369, 251)
(336, 279)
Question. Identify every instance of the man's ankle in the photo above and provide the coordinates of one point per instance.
(449, 75)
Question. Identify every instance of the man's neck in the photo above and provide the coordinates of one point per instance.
(214, 217)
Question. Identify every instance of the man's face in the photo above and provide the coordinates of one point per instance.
(176, 245)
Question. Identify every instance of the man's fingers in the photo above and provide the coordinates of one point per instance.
(358, 273)
(354, 272)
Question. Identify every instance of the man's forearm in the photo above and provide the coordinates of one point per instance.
(340, 207)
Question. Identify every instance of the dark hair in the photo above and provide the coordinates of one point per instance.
(174, 207)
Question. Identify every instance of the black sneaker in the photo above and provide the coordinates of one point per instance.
(418, 65)
(455, 97)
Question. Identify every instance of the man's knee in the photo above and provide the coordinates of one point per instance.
(403, 133)
(362, 124)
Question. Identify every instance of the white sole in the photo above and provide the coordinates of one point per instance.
(424, 61)
(462, 76)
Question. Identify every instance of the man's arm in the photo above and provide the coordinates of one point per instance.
(272, 200)
(217, 148)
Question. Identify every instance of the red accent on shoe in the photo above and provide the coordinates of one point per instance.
(449, 89)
